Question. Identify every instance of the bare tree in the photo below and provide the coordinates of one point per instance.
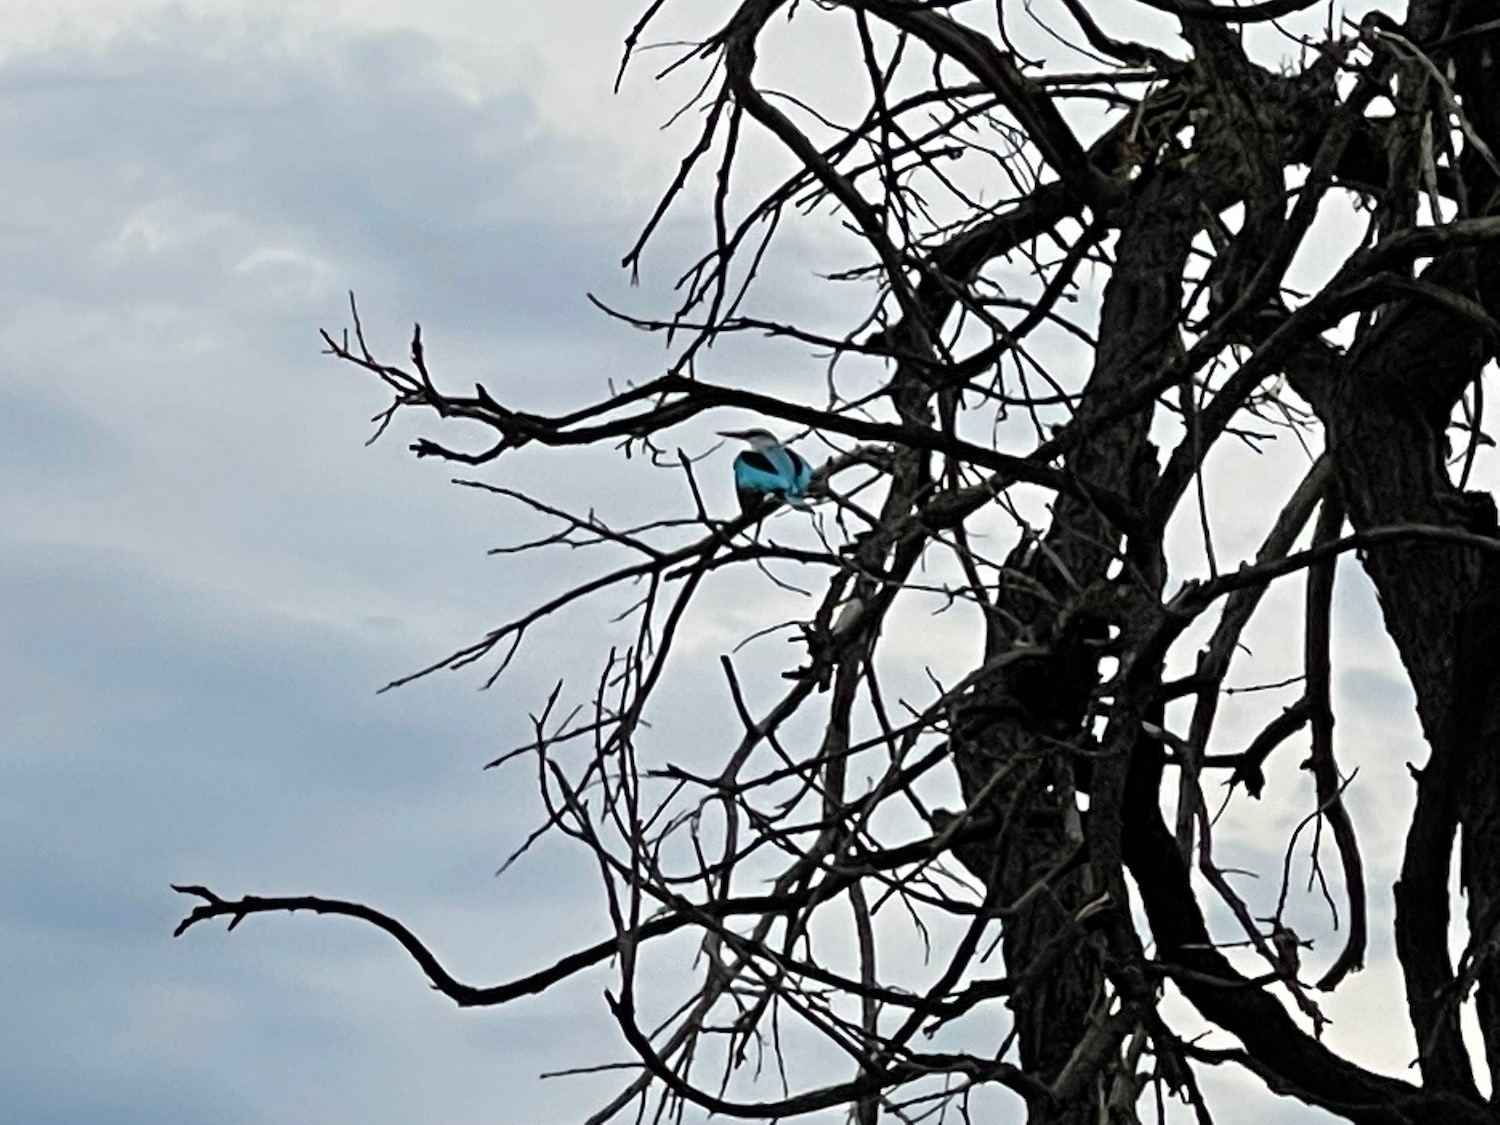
(990, 195)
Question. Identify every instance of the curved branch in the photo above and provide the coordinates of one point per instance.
(1324, 768)
(464, 995)
(684, 914)
(1220, 13)
(921, 1066)
(1290, 1059)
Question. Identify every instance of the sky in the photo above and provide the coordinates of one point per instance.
(206, 573)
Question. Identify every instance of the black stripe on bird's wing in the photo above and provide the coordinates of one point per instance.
(755, 459)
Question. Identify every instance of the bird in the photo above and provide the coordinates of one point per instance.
(768, 470)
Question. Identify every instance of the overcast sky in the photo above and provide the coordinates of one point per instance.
(205, 574)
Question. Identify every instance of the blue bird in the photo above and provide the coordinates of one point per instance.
(768, 470)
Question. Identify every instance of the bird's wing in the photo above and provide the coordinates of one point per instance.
(796, 474)
(754, 472)
(758, 461)
(776, 471)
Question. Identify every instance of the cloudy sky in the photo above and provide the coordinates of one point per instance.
(205, 574)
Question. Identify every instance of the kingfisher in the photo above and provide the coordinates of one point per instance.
(768, 469)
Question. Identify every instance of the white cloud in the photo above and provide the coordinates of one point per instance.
(207, 575)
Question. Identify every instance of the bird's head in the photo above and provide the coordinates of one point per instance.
(756, 438)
